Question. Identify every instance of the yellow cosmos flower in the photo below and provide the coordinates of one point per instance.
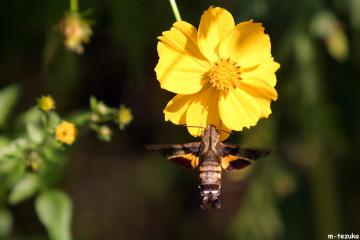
(125, 116)
(223, 73)
(66, 132)
(46, 103)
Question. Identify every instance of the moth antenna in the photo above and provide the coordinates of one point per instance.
(223, 130)
(193, 126)
(204, 128)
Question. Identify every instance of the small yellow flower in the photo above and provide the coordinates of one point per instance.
(125, 116)
(76, 30)
(46, 103)
(66, 132)
(223, 73)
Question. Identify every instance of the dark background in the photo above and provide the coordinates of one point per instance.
(308, 187)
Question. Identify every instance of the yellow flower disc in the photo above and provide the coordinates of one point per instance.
(46, 103)
(66, 132)
(125, 116)
(223, 73)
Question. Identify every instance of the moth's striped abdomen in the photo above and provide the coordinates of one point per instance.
(210, 184)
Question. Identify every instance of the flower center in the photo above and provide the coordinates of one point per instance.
(224, 75)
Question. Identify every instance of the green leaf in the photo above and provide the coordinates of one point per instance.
(32, 115)
(54, 209)
(54, 120)
(11, 171)
(93, 103)
(4, 141)
(14, 147)
(6, 223)
(7, 164)
(24, 188)
(8, 99)
(35, 133)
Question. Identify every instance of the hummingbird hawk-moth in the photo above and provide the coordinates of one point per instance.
(212, 156)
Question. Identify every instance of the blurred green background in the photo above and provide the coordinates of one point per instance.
(307, 188)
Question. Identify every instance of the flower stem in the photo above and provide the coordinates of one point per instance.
(175, 10)
(74, 5)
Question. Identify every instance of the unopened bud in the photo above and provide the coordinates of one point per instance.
(105, 133)
(102, 108)
(33, 161)
(94, 117)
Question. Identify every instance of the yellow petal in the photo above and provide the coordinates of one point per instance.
(223, 131)
(265, 71)
(177, 72)
(204, 111)
(238, 109)
(258, 88)
(182, 37)
(181, 65)
(175, 110)
(246, 44)
(264, 105)
(214, 25)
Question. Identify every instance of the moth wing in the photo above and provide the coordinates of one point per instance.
(235, 157)
(185, 155)
(189, 161)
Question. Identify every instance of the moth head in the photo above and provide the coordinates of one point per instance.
(207, 134)
(210, 138)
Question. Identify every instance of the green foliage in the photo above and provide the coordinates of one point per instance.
(26, 187)
(101, 113)
(6, 223)
(35, 133)
(54, 209)
(34, 160)
(8, 99)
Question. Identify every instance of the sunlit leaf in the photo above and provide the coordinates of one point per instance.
(24, 188)
(54, 209)
(35, 133)
(13, 147)
(30, 116)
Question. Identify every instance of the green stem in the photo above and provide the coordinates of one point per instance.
(74, 5)
(175, 10)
